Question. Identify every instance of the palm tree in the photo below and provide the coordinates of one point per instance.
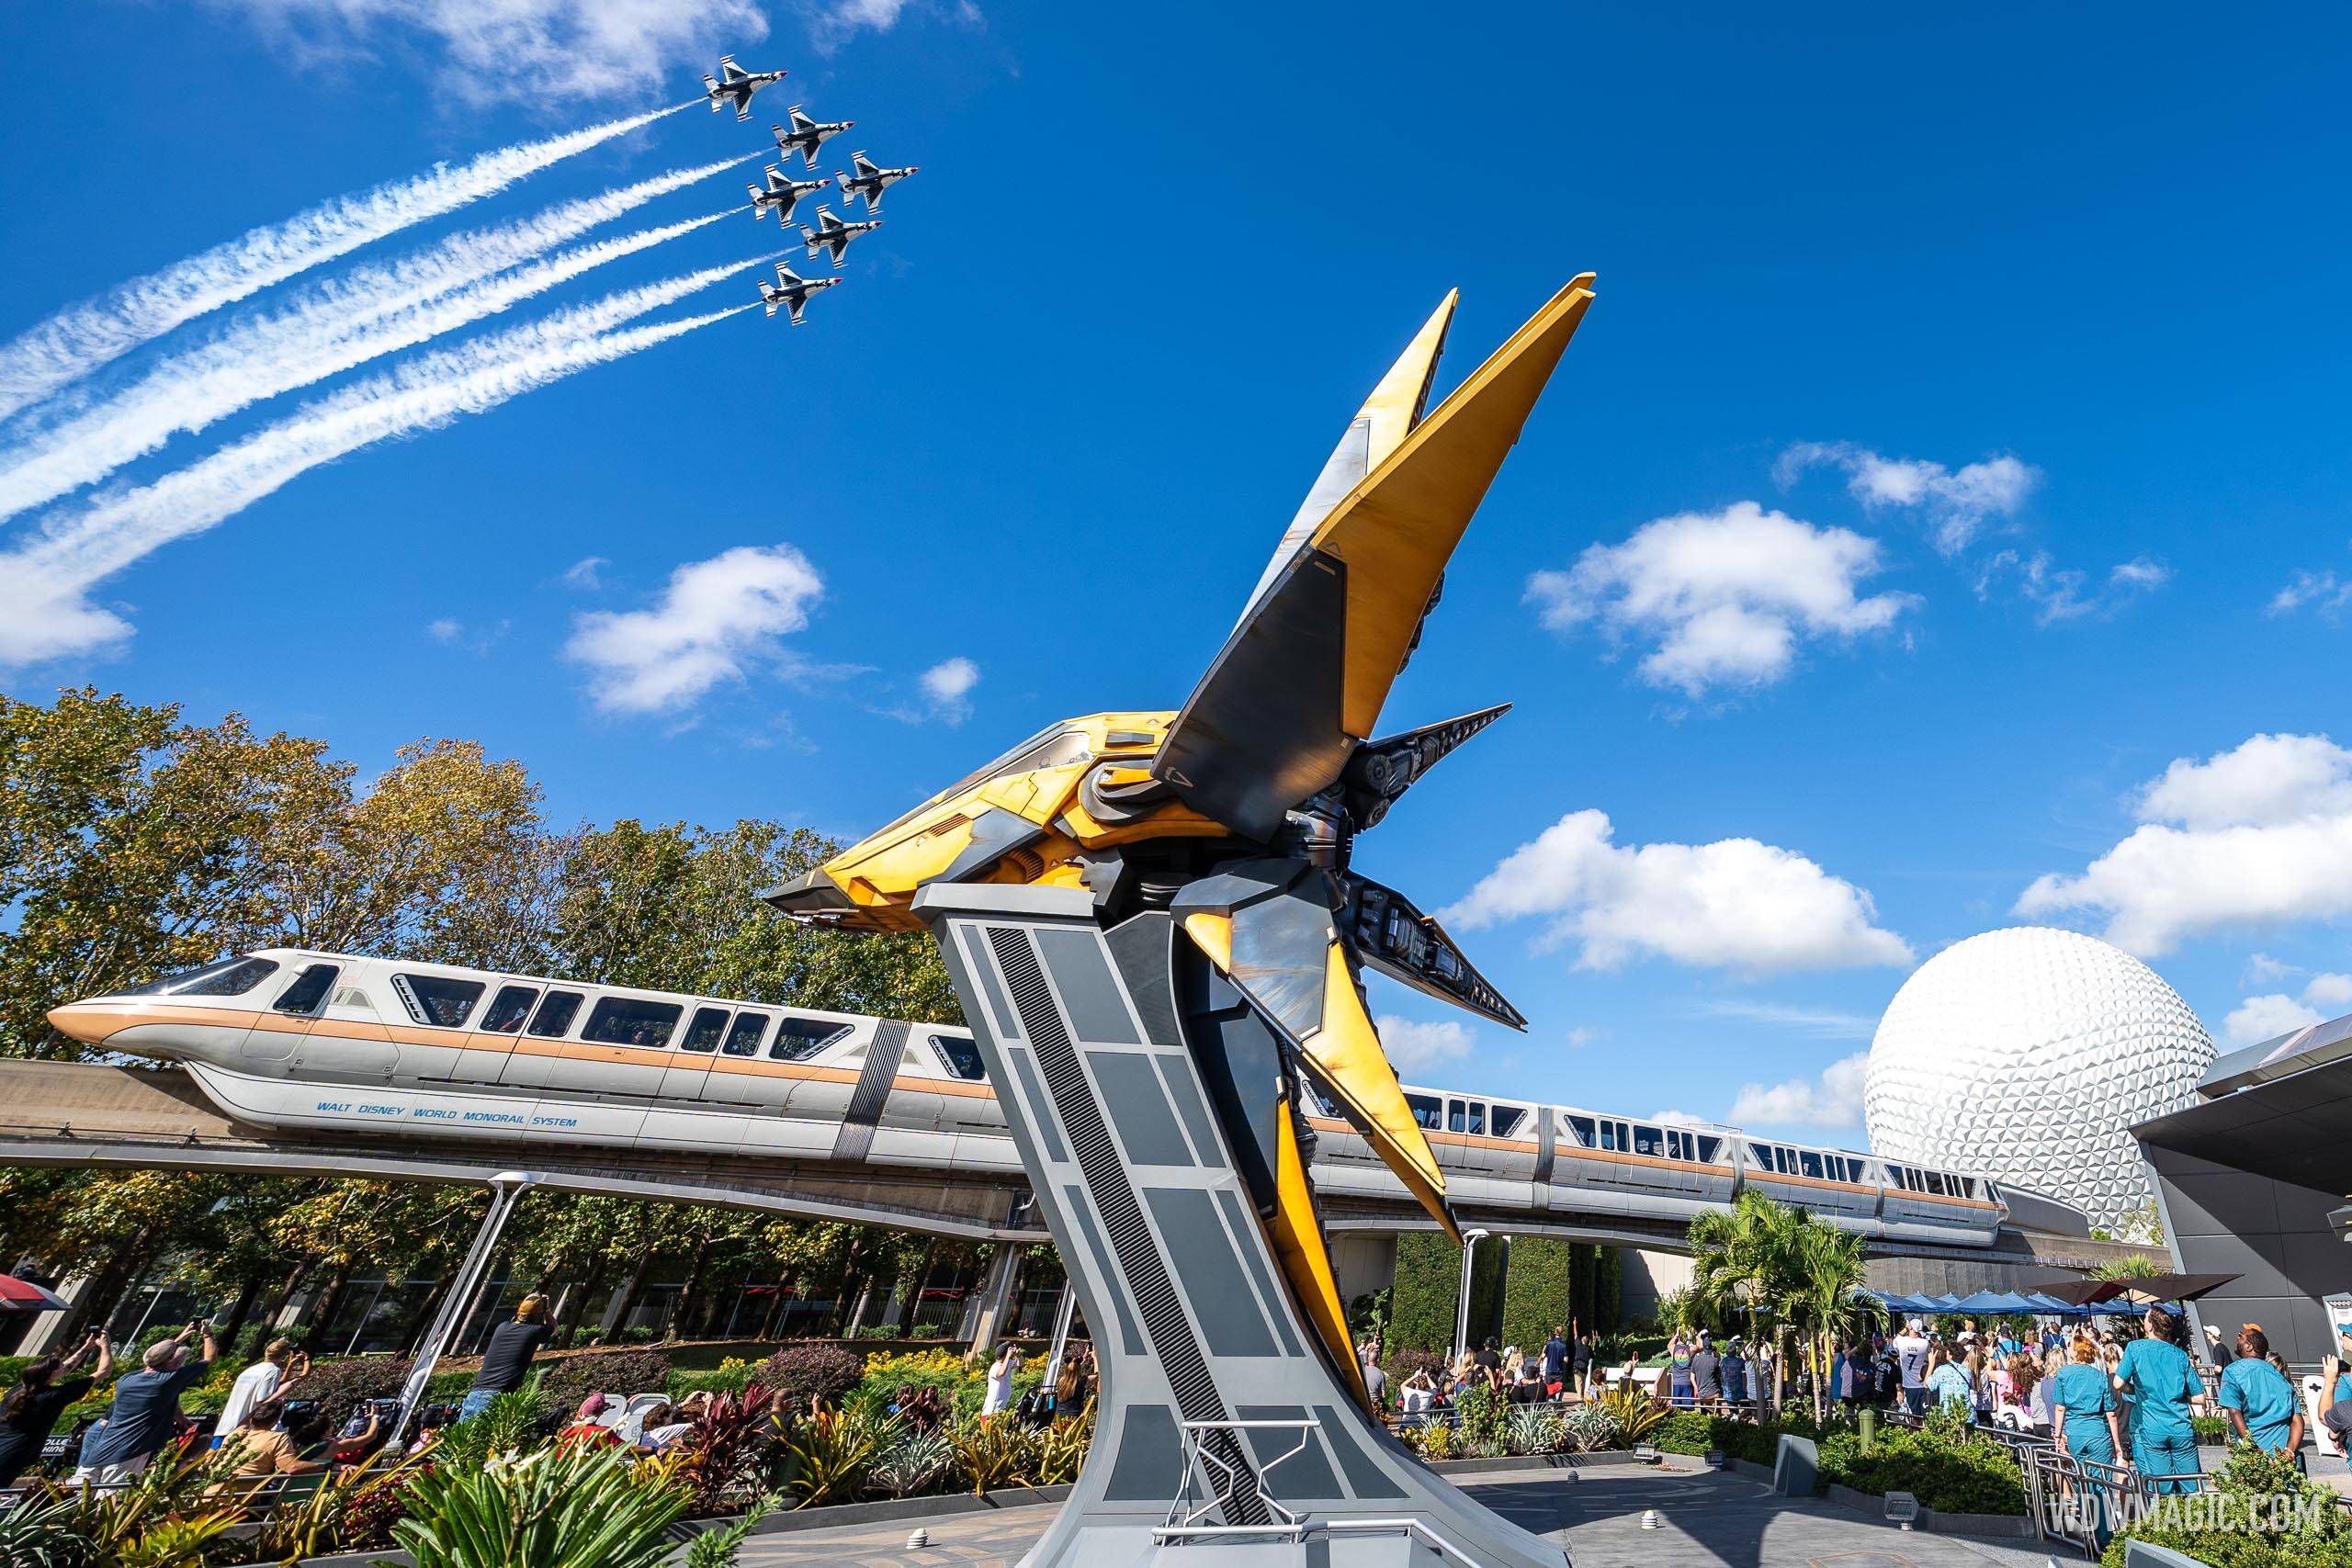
(1825, 1299)
(1747, 1258)
(2134, 1265)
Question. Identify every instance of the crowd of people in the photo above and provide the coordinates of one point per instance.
(2121, 1394)
(274, 1432)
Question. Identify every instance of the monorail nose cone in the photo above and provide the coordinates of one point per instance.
(84, 1021)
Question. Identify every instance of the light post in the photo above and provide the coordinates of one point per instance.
(507, 1190)
(1470, 1240)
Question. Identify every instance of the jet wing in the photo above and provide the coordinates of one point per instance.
(798, 305)
(1301, 680)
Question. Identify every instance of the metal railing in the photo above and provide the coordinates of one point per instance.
(1217, 1463)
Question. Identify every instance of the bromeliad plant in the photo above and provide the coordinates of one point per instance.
(1633, 1412)
(834, 1449)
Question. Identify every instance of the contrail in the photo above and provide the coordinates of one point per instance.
(74, 342)
(49, 573)
(267, 356)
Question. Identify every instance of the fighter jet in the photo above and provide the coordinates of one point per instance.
(791, 291)
(831, 234)
(870, 182)
(806, 135)
(738, 87)
(781, 194)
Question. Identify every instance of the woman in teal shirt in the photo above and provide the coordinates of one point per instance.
(2260, 1401)
(2161, 1382)
(2083, 1405)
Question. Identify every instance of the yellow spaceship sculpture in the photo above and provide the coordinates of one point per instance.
(1237, 814)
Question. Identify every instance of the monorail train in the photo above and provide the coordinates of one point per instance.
(284, 1038)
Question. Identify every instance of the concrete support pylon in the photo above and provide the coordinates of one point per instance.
(985, 1314)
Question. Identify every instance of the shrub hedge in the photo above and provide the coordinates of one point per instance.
(826, 1371)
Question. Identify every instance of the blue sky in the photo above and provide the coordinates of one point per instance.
(1955, 447)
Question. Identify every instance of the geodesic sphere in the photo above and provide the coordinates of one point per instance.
(2027, 1054)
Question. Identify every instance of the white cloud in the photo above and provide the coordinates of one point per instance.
(527, 49)
(444, 630)
(2267, 781)
(587, 575)
(1734, 904)
(2261, 966)
(1724, 597)
(2064, 594)
(1412, 1044)
(948, 685)
(1679, 1119)
(1579, 1037)
(1823, 1023)
(2329, 991)
(2322, 589)
(1958, 504)
(2262, 1018)
(716, 618)
(1834, 1099)
(2254, 836)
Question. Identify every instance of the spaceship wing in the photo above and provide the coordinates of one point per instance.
(1270, 934)
(1302, 679)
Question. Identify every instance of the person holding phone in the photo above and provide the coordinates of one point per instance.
(146, 1411)
(32, 1406)
(273, 1377)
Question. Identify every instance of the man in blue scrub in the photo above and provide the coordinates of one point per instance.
(2161, 1381)
(2260, 1401)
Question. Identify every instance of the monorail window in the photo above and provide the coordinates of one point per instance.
(229, 978)
(1508, 1120)
(557, 1009)
(1582, 1128)
(626, 1020)
(431, 999)
(1677, 1144)
(1709, 1147)
(1936, 1183)
(1477, 1111)
(960, 1055)
(309, 990)
(1648, 1140)
(798, 1039)
(743, 1039)
(703, 1033)
(1966, 1185)
(1427, 1110)
(1613, 1136)
(509, 1009)
(1809, 1163)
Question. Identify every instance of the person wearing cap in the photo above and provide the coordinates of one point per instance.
(2258, 1399)
(1706, 1374)
(1911, 1356)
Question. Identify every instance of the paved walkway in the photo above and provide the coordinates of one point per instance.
(1706, 1520)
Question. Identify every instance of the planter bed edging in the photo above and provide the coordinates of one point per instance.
(785, 1520)
(1932, 1521)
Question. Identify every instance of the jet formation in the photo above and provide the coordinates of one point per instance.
(864, 180)
(737, 86)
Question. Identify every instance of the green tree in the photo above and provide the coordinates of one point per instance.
(1538, 1290)
(131, 844)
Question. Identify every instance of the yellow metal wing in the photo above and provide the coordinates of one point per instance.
(1298, 1237)
(1398, 529)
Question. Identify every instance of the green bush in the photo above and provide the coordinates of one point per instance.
(1974, 1476)
(2249, 1485)
(571, 1378)
(1421, 1302)
(1538, 1291)
(1684, 1432)
(826, 1371)
(2213, 1431)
